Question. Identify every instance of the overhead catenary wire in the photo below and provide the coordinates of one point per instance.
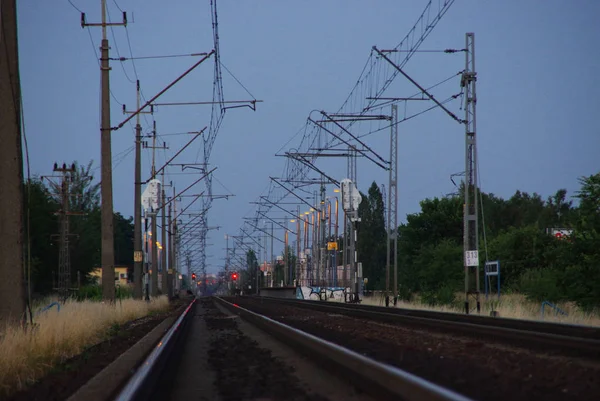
(374, 79)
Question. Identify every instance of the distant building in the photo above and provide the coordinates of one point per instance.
(121, 276)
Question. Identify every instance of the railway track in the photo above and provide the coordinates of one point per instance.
(224, 348)
(207, 354)
(565, 339)
(482, 358)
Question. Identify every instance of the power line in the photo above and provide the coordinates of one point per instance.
(74, 6)
(117, 47)
(98, 60)
(162, 56)
(237, 80)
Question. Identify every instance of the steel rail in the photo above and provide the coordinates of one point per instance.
(376, 379)
(569, 339)
(571, 330)
(140, 385)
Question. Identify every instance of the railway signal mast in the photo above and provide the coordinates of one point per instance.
(350, 200)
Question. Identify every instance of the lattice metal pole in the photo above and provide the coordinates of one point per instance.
(393, 194)
(392, 211)
(64, 263)
(470, 214)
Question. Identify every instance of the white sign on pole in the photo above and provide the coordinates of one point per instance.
(356, 198)
(472, 258)
(151, 195)
(350, 195)
(346, 186)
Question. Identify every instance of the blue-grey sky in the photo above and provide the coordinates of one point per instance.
(537, 91)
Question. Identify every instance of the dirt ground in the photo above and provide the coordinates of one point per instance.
(68, 377)
(478, 369)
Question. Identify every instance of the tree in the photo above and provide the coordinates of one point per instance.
(84, 229)
(371, 243)
(42, 224)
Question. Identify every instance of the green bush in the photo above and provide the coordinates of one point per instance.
(444, 295)
(542, 285)
(92, 292)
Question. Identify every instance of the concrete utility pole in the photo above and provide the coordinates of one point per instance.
(154, 286)
(322, 239)
(285, 256)
(165, 278)
(153, 215)
(108, 247)
(470, 216)
(175, 246)
(12, 289)
(137, 201)
(169, 247)
(298, 241)
(108, 243)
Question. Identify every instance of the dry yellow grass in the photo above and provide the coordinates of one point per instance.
(26, 355)
(514, 306)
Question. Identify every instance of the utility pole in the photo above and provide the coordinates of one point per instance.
(154, 278)
(470, 214)
(272, 257)
(298, 241)
(153, 215)
(137, 202)
(108, 247)
(174, 246)
(285, 256)
(392, 211)
(12, 285)
(169, 247)
(322, 239)
(62, 192)
(164, 239)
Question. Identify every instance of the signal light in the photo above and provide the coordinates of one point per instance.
(194, 276)
(234, 276)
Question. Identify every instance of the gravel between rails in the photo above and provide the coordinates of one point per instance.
(478, 369)
(244, 370)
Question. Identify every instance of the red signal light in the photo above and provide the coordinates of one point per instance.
(234, 276)
(194, 276)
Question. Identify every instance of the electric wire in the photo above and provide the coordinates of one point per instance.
(98, 60)
(160, 57)
(74, 6)
(237, 80)
(117, 46)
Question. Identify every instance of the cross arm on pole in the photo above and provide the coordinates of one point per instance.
(303, 160)
(163, 91)
(429, 95)
(269, 234)
(291, 192)
(191, 185)
(354, 137)
(276, 222)
(348, 143)
(176, 154)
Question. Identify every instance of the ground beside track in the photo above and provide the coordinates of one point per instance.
(67, 377)
(478, 369)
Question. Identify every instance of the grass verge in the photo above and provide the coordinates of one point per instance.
(28, 354)
(514, 306)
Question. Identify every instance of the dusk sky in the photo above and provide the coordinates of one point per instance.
(537, 92)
